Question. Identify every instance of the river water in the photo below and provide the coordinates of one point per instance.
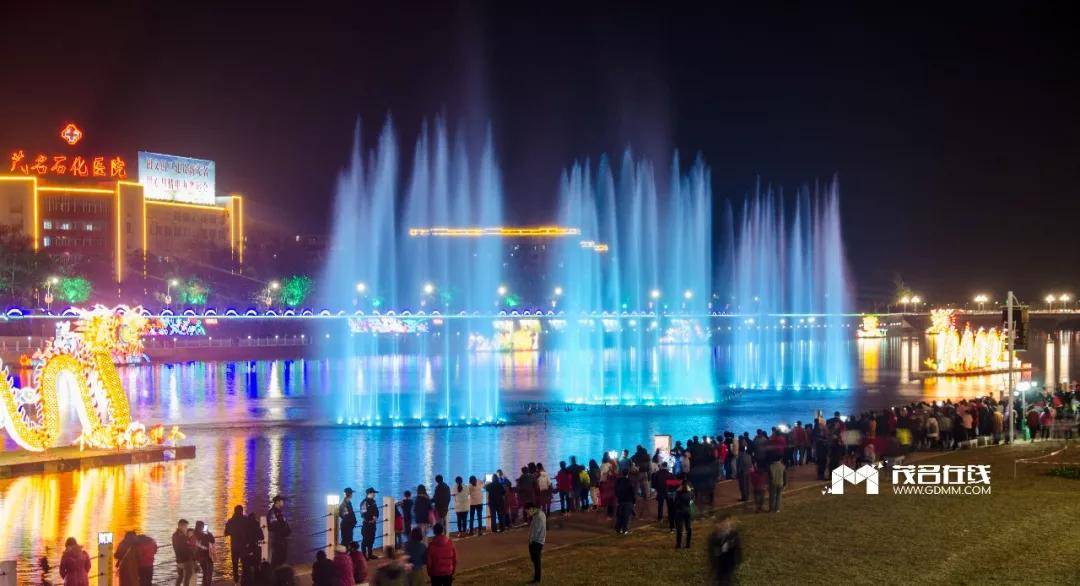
(250, 422)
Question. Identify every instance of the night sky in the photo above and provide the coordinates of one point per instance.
(954, 130)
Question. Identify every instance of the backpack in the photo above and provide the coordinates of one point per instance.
(583, 479)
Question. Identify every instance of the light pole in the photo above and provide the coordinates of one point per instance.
(270, 288)
(361, 288)
(904, 301)
(48, 291)
(981, 299)
(555, 300)
(1064, 298)
(1050, 302)
(168, 291)
(687, 296)
(428, 290)
(915, 301)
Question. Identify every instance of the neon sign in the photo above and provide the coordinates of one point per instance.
(71, 134)
(43, 164)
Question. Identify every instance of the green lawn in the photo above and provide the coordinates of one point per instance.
(1027, 531)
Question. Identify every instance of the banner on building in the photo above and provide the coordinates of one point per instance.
(173, 178)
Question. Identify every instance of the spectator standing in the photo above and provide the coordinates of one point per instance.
(442, 501)
(537, 537)
(204, 552)
(74, 564)
(236, 529)
(476, 506)
(369, 512)
(278, 528)
(441, 558)
(777, 483)
(417, 552)
(347, 516)
(461, 507)
(146, 548)
(682, 512)
(343, 567)
(185, 557)
(725, 552)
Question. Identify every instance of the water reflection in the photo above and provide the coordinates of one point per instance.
(238, 415)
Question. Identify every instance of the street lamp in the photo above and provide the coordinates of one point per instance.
(904, 301)
(361, 287)
(981, 299)
(1050, 302)
(429, 288)
(1064, 298)
(168, 290)
(48, 290)
(558, 293)
(270, 288)
(915, 301)
(688, 295)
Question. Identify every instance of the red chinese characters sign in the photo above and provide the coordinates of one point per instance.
(72, 165)
(42, 164)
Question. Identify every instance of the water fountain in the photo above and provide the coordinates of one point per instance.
(788, 287)
(640, 297)
(379, 268)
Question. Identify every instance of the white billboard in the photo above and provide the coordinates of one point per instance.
(173, 178)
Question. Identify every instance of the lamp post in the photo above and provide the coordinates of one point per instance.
(1050, 302)
(270, 288)
(687, 296)
(427, 291)
(555, 300)
(501, 292)
(361, 288)
(168, 290)
(1064, 298)
(904, 301)
(915, 301)
(981, 299)
(48, 291)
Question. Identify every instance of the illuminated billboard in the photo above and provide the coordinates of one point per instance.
(172, 178)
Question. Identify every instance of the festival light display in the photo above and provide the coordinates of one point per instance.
(968, 351)
(84, 357)
(870, 328)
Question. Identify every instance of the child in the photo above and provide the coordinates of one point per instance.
(759, 479)
(512, 504)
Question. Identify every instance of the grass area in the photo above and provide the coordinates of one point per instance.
(1026, 531)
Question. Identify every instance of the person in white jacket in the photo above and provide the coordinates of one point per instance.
(476, 506)
(461, 505)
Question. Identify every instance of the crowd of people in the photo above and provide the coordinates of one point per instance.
(679, 480)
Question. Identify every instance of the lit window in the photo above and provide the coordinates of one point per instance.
(65, 225)
(46, 241)
(89, 227)
(47, 224)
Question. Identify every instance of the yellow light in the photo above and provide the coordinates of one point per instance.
(205, 208)
(916, 299)
(119, 235)
(502, 231)
(1050, 299)
(54, 280)
(97, 190)
(275, 285)
(1064, 298)
(905, 300)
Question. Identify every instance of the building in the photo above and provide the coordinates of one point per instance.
(85, 204)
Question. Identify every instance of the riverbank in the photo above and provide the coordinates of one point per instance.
(1025, 531)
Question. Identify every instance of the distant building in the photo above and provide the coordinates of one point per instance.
(72, 201)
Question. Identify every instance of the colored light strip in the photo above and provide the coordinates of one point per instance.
(78, 190)
(119, 243)
(502, 231)
(186, 205)
(240, 224)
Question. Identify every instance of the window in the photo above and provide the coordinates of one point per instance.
(47, 224)
(89, 227)
(46, 242)
(65, 225)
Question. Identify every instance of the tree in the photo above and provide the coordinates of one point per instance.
(74, 289)
(296, 289)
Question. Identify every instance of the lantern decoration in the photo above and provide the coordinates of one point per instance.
(85, 357)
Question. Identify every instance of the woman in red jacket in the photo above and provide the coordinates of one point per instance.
(441, 558)
(75, 564)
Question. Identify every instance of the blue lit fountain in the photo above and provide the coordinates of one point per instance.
(407, 289)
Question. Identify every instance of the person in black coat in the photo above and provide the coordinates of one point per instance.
(624, 496)
(725, 552)
(236, 529)
(369, 513)
(322, 571)
(348, 517)
(496, 502)
(279, 531)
